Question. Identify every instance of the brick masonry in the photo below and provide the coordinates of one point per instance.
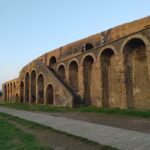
(108, 69)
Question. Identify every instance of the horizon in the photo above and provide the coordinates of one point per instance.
(25, 35)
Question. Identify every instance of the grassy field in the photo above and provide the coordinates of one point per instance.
(12, 138)
(83, 109)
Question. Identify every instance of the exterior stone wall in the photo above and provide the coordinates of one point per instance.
(109, 69)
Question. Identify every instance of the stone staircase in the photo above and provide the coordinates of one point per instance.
(77, 99)
(64, 94)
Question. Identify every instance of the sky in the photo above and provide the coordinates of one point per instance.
(30, 28)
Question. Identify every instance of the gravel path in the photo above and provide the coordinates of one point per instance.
(119, 138)
(118, 121)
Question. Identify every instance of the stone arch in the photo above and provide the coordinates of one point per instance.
(17, 97)
(22, 92)
(87, 47)
(41, 89)
(61, 71)
(33, 86)
(73, 75)
(27, 84)
(107, 65)
(104, 48)
(87, 79)
(74, 59)
(50, 94)
(52, 61)
(136, 71)
(136, 36)
(88, 54)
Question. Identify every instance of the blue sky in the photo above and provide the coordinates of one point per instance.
(29, 28)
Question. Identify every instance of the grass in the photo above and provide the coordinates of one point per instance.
(83, 109)
(30, 146)
(12, 138)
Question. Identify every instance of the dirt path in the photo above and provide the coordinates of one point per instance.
(119, 121)
(102, 134)
(57, 140)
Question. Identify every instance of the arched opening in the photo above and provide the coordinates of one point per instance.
(50, 94)
(52, 61)
(42, 60)
(73, 75)
(21, 92)
(17, 98)
(61, 71)
(5, 92)
(87, 79)
(41, 89)
(33, 87)
(87, 47)
(107, 76)
(136, 72)
(27, 78)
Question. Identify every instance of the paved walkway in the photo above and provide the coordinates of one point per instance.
(119, 138)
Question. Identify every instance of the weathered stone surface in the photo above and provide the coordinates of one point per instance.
(109, 69)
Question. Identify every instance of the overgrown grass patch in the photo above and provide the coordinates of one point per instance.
(83, 109)
(12, 138)
(33, 125)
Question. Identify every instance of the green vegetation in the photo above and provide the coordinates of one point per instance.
(83, 109)
(15, 139)
(12, 138)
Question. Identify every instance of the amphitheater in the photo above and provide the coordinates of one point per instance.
(108, 69)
